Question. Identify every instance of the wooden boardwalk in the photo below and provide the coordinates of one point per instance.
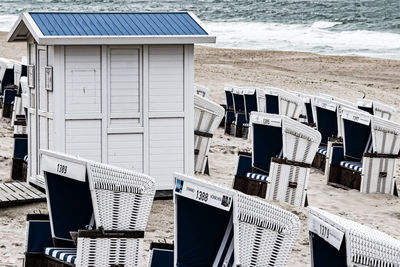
(15, 193)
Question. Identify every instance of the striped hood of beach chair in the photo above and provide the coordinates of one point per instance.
(364, 245)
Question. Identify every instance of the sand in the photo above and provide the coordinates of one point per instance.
(346, 77)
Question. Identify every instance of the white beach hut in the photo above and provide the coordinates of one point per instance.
(112, 87)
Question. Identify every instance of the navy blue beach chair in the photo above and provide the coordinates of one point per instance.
(366, 160)
(279, 164)
(97, 214)
(216, 226)
(229, 110)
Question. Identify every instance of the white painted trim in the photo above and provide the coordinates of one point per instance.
(189, 108)
(58, 98)
(105, 104)
(125, 130)
(146, 104)
(30, 24)
(162, 114)
(125, 40)
(81, 116)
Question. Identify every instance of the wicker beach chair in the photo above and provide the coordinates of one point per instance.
(366, 161)
(376, 108)
(307, 114)
(107, 206)
(229, 109)
(216, 226)
(279, 166)
(201, 90)
(336, 241)
(328, 121)
(207, 116)
(282, 102)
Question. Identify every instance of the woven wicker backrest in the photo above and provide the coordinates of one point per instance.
(376, 108)
(264, 234)
(207, 117)
(122, 199)
(300, 142)
(385, 136)
(290, 104)
(207, 114)
(364, 245)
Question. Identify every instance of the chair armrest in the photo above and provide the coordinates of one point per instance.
(244, 165)
(100, 233)
(337, 154)
(38, 233)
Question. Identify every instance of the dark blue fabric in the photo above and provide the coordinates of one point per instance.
(369, 110)
(20, 148)
(310, 117)
(267, 143)
(7, 79)
(337, 154)
(162, 258)
(244, 165)
(240, 119)
(326, 255)
(229, 99)
(200, 230)
(39, 236)
(9, 96)
(327, 124)
(356, 137)
(272, 104)
(70, 204)
(250, 104)
(238, 99)
(113, 24)
(230, 117)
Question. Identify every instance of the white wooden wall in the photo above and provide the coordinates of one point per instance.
(130, 106)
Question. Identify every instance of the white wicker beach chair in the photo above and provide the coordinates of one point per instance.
(367, 159)
(279, 166)
(288, 104)
(216, 226)
(207, 117)
(107, 206)
(328, 112)
(376, 108)
(307, 114)
(201, 90)
(336, 241)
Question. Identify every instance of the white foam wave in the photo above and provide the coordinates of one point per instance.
(324, 24)
(295, 37)
(7, 21)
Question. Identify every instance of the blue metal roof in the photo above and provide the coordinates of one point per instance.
(117, 24)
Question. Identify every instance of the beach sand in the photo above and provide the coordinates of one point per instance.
(346, 77)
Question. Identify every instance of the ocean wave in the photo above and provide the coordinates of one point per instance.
(6, 22)
(298, 37)
(324, 24)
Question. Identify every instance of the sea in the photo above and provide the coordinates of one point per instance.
(333, 27)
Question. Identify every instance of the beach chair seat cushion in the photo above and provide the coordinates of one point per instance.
(354, 165)
(322, 150)
(67, 255)
(257, 176)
